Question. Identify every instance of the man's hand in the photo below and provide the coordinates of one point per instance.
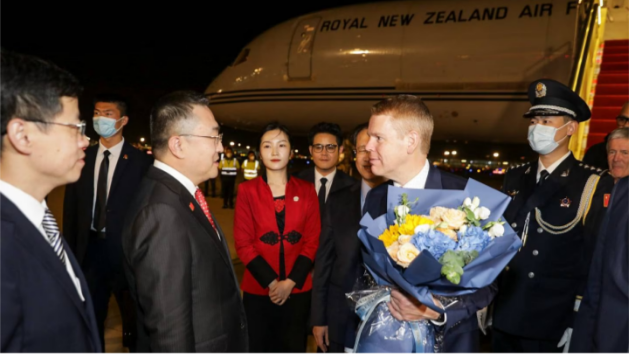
(321, 336)
(282, 290)
(408, 309)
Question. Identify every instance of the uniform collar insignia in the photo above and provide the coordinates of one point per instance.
(528, 170)
(565, 173)
(565, 202)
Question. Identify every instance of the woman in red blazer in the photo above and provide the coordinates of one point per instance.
(276, 230)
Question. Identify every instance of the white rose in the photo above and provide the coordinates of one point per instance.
(406, 254)
(463, 229)
(422, 228)
(467, 203)
(436, 213)
(475, 202)
(402, 211)
(404, 238)
(483, 213)
(497, 230)
(454, 218)
(393, 249)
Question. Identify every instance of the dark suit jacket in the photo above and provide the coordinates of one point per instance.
(337, 266)
(596, 155)
(602, 323)
(79, 201)
(341, 181)
(461, 328)
(180, 274)
(41, 309)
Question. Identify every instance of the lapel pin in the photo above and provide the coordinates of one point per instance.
(191, 206)
(528, 170)
(512, 193)
(565, 173)
(296, 198)
(125, 157)
(565, 202)
(606, 200)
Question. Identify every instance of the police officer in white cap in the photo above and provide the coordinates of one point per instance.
(541, 288)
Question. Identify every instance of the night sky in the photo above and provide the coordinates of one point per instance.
(143, 51)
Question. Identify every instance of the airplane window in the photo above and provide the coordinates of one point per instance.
(242, 57)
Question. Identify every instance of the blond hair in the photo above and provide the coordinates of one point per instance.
(409, 113)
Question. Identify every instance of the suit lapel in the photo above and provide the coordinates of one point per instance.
(43, 253)
(539, 196)
(87, 175)
(187, 200)
(433, 181)
(123, 160)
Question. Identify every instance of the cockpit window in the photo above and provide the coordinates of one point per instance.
(242, 57)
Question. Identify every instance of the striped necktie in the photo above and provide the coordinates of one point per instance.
(54, 237)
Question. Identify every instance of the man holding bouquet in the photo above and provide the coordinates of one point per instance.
(400, 130)
(540, 290)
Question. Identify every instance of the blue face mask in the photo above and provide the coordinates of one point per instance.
(105, 126)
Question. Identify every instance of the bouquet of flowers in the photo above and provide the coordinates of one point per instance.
(445, 243)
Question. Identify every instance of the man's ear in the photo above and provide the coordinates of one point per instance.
(573, 127)
(175, 145)
(412, 139)
(125, 120)
(20, 134)
(341, 149)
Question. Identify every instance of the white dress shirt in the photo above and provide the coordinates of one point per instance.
(34, 211)
(114, 155)
(419, 181)
(328, 183)
(551, 168)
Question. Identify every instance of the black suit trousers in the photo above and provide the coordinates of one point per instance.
(228, 183)
(103, 279)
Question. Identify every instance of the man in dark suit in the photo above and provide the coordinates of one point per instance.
(176, 258)
(46, 306)
(326, 144)
(602, 323)
(95, 206)
(400, 130)
(338, 261)
(542, 286)
(597, 154)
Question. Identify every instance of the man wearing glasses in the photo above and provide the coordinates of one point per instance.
(175, 256)
(46, 306)
(95, 206)
(597, 154)
(326, 145)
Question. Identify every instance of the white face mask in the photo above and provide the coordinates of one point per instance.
(542, 138)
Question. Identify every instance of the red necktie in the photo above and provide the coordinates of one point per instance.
(198, 195)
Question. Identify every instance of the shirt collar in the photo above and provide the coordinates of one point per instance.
(113, 151)
(330, 176)
(27, 204)
(187, 183)
(554, 166)
(419, 181)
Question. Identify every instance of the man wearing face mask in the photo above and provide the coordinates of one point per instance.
(541, 288)
(94, 209)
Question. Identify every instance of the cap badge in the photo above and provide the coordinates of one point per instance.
(540, 90)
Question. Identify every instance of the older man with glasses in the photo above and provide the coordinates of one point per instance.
(597, 154)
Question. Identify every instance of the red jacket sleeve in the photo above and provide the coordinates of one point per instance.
(313, 226)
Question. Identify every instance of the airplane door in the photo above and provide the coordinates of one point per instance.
(300, 50)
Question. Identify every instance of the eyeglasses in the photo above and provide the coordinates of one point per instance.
(622, 119)
(218, 138)
(331, 148)
(361, 150)
(79, 126)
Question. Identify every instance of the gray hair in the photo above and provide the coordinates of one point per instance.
(617, 133)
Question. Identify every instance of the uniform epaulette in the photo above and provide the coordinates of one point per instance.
(592, 168)
(519, 165)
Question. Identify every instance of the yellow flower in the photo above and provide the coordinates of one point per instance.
(412, 221)
(390, 235)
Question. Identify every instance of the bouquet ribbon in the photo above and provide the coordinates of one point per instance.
(365, 307)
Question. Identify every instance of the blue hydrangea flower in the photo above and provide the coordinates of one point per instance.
(474, 238)
(434, 241)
